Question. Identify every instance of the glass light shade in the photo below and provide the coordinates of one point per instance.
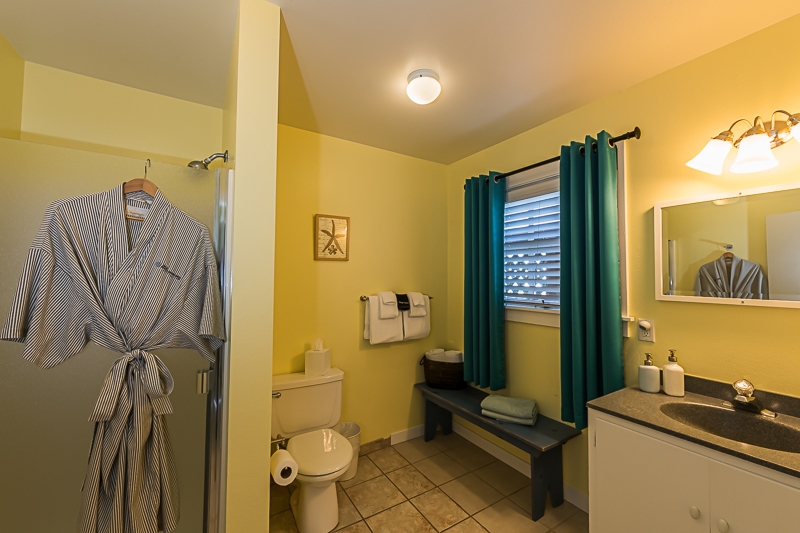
(796, 131)
(423, 87)
(711, 158)
(754, 155)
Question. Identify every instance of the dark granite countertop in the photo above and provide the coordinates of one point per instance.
(644, 408)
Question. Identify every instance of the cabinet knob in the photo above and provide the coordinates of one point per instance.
(722, 525)
(694, 511)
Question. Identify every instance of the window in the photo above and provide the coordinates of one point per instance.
(532, 245)
(531, 240)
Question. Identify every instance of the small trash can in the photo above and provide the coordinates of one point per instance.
(352, 432)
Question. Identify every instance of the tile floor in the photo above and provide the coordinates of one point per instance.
(447, 484)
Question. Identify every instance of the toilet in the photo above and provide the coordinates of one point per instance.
(304, 408)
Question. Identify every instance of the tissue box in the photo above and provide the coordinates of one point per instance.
(318, 362)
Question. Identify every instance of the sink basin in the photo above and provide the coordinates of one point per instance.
(740, 426)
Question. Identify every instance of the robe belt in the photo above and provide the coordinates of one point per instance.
(149, 370)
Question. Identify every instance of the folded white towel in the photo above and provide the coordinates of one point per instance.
(418, 306)
(417, 299)
(416, 327)
(437, 354)
(379, 331)
(454, 356)
(366, 320)
(387, 305)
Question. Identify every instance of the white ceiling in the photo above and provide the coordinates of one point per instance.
(178, 48)
(506, 65)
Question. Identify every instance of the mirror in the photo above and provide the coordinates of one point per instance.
(739, 248)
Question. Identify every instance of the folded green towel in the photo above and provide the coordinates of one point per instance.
(514, 420)
(514, 407)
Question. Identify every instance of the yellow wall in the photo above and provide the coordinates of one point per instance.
(68, 109)
(700, 232)
(678, 111)
(252, 123)
(12, 73)
(702, 229)
(398, 215)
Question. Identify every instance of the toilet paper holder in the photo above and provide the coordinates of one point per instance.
(280, 441)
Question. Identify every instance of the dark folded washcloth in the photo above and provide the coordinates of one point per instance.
(513, 407)
(498, 416)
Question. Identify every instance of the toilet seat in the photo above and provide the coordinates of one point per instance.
(320, 453)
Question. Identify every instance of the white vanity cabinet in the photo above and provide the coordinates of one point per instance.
(640, 484)
(747, 502)
(642, 480)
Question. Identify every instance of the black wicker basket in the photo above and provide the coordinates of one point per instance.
(441, 375)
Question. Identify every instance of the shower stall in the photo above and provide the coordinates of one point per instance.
(44, 414)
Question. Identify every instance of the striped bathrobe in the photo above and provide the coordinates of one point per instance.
(130, 286)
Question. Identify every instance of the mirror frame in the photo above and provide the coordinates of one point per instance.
(657, 245)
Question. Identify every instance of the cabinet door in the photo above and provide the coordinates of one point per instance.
(749, 503)
(643, 484)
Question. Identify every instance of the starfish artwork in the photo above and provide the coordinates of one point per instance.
(332, 238)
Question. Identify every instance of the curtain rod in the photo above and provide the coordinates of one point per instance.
(635, 133)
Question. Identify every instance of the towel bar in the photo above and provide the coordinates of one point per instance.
(365, 298)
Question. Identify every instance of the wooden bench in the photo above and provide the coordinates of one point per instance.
(542, 441)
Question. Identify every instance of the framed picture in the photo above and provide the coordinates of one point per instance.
(332, 238)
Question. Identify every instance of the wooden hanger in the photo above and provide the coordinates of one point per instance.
(728, 256)
(141, 184)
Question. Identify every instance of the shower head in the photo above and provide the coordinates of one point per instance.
(203, 165)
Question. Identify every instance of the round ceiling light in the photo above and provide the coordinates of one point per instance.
(423, 86)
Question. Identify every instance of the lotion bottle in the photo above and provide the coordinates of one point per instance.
(673, 376)
(649, 375)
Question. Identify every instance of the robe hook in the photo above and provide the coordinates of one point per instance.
(146, 164)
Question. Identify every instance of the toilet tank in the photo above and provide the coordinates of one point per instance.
(303, 403)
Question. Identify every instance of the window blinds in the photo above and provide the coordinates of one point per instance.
(531, 241)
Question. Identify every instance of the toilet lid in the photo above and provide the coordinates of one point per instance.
(320, 452)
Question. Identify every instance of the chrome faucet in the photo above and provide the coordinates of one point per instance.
(745, 400)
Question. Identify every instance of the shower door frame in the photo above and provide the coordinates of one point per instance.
(217, 409)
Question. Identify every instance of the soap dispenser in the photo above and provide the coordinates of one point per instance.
(673, 376)
(649, 375)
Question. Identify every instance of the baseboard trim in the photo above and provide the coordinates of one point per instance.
(407, 434)
(576, 498)
(508, 458)
(571, 494)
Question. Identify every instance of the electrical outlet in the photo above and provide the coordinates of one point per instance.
(647, 330)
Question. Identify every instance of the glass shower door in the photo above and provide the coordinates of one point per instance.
(45, 434)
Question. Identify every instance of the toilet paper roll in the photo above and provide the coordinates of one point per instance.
(283, 467)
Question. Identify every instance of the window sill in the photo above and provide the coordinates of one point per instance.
(539, 317)
(550, 319)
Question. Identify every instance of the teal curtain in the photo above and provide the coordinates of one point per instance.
(484, 321)
(591, 310)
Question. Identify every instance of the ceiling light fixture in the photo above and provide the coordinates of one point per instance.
(423, 86)
(755, 146)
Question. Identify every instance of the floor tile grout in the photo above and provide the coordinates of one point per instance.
(435, 486)
(451, 499)
(352, 502)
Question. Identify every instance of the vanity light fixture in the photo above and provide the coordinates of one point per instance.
(755, 152)
(423, 86)
(755, 146)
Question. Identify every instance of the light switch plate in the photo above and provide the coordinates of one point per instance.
(646, 335)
